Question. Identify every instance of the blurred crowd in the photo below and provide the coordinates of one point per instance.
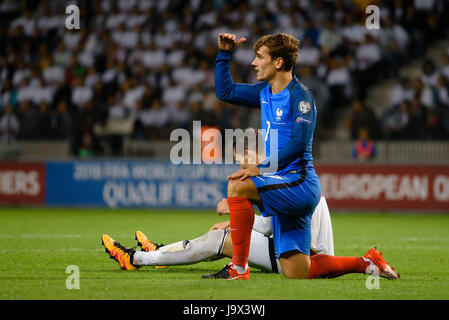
(152, 62)
(419, 108)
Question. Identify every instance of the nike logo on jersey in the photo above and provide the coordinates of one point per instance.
(263, 101)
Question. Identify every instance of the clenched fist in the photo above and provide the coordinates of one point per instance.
(228, 41)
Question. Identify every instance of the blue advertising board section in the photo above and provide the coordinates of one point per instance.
(136, 184)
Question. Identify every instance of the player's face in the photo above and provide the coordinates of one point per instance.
(264, 64)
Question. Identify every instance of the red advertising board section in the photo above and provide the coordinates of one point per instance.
(22, 183)
(397, 187)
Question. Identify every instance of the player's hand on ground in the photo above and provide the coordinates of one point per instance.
(250, 171)
(225, 225)
(228, 41)
(222, 207)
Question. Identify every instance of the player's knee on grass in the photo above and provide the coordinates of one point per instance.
(295, 265)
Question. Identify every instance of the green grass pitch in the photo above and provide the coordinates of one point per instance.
(36, 246)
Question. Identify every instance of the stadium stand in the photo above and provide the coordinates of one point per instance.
(138, 69)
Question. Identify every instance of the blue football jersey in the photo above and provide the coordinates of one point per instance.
(290, 113)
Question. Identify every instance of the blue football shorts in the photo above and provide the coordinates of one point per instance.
(291, 200)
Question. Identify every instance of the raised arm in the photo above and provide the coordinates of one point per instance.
(241, 94)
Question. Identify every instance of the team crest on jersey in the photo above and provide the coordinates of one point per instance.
(278, 114)
(304, 107)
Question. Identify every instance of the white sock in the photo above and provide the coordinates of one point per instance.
(142, 258)
(184, 252)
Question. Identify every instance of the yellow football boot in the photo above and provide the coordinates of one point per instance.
(119, 252)
(147, 245)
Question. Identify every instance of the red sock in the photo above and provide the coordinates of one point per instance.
(326, 266)
(241, 214)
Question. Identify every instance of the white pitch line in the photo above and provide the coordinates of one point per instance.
(36, 236)
(396, 239)
(423, 239)
(51, 250)
(396, 246)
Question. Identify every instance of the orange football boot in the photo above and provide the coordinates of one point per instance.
(119, 252)
(385, 269)
(147, 245)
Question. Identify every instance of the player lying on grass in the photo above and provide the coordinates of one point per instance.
(218, 243)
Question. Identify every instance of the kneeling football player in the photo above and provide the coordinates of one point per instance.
(217, 243)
